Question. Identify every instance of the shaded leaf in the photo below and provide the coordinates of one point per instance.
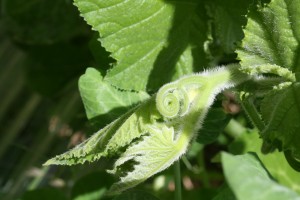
(282, 118)
(213, 125)
(227, 22)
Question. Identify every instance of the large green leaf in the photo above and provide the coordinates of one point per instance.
(282, 118)
(151, 38)
(275, 162)
(272, 37)
(249, 180)
(271, 46)
(100, 97)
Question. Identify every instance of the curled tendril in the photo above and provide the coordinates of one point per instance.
(172, 101)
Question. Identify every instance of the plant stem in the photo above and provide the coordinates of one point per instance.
(203, 172)
(177, 180)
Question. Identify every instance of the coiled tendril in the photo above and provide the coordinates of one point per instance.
(172, 101)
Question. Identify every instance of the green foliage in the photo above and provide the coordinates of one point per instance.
(100, 97)
(282, 118)
(213, 125)
(246, 171)
(227, 22)
(275, 162)
(156, 133)
(47, 194)
(270, 47)
(166, 125)
(151, 96)
(272, 37)
(145, 39)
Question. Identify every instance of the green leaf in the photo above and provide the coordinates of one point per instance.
(111, 139)
(100, 97)
(272, 37)
(155, 153)
(282, 118)
(227, 22)
(136, 195)
(249, 180)
(213, 125)
(183, 105)
(145, 41)
(275, 162)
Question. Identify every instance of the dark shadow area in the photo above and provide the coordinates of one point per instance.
(182, 34)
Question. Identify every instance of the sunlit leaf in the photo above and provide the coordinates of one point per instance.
(272, 39)
(101, 98)
(144, 41)
(249, 180)
(275, 162)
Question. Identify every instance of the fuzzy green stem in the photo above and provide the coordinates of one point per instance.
(177, 180)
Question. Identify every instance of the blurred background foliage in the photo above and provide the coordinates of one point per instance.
(44, 48)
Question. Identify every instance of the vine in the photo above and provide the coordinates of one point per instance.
(165, 127)
(153, 135)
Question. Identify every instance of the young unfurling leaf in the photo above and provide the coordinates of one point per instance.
(157, 132)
